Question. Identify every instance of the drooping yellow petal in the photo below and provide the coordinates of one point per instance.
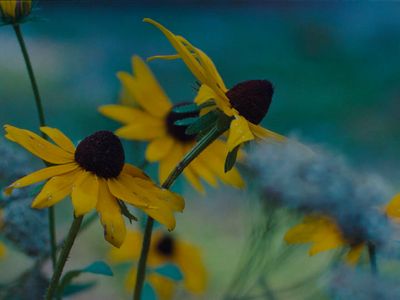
(59, 138)
(41, 175)
(163, 286)
(127, 115)
(168, 163)
(159, 148)
(38, 146)
(120, 187)
(353, 257)
(110, 216)
(239, 132)
(193, 179)
(190, 262)
(142, 131)
(85, 193)
(202, 171)
(134, 171)
(204, 94)
(164, 57)
(150, 94)
(55, 190)
(301, 233)
(327, 239)
(393, 207)
(263, 133)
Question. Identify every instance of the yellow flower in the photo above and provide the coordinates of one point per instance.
(95, 175)
(393, 208)
(324, 234)
(13, 11)
(164, 248)
(153, 120)
(246, 103)
(2, 250)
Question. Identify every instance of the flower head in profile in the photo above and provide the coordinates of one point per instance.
(323, 233)
(164, 249)
(96, 176)
(14, 11)
(246, 103)
(153, 120)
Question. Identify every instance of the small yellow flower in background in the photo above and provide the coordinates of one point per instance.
(95, 175)
(246, 103)
(2, 250)
(393, 208)
(164, 248)
(13, 11)
(324, 234)
(154, 121)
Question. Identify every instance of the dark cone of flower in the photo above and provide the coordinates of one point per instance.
(177, 131)
(166, 246)
(251, 99)
(102, 154)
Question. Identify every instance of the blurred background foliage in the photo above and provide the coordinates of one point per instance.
(335, 67)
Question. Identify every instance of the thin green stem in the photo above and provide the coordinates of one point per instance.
(187, 159)
(42, 122)
(69, 241)
(372, 258)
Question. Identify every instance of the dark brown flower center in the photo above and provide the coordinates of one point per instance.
(166, 245)
(102, 154)
(251, 99)
(177, 131)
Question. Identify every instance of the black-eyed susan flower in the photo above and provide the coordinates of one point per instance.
(164, 249)
(96, 176)
(324, 234)
(246, 103)
(153, 120)
(14, 11)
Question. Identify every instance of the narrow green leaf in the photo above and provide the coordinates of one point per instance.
(186, 108)
(186, 121)
(204, 122)
(148, 292)
(125, 211)
(169, 270)
(231, 159)
(206, 104)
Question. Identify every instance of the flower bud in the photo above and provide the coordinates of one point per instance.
(14, 11)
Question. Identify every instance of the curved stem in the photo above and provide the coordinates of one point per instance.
(42, 122)
(69, 241)
(211, 136)
(372, 258)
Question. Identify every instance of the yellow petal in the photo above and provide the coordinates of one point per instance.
(239, 132)
(202, 171)
(204, 94)
(38, 146)
(193, 65)
(164, 57)
(150, 94)
(142, 131)
(129, 250)
(110, 216)
(168, 163)
(163, 286)
(2, 250)
(193, 179)
(8, 7)
(330, 240)
(190, 262)
(55, 190)
(127, 115)
(41, 175)
(393, 208)
(85, 193)
(59, 138)
(354, 254)
(121, 188)
(263, 133)
(162, 213)
(159, 148)
(134, 171)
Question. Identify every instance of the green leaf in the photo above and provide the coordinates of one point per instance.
(206, 104)
(231, 159)
(204, 122)
(125, 211)
(148, 292)
(186, 108)
(169, 270)
(186, 121)
(98, 267)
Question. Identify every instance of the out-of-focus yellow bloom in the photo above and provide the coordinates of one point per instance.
(393, 208)
(13, 11)
(96, 176)
(246, 103)
(2, 250)
(164, 248)
(153, 120)
(324, 234)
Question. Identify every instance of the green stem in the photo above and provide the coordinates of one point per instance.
(69, 241)
(42, 122)
(187, 159)
(372, 258)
